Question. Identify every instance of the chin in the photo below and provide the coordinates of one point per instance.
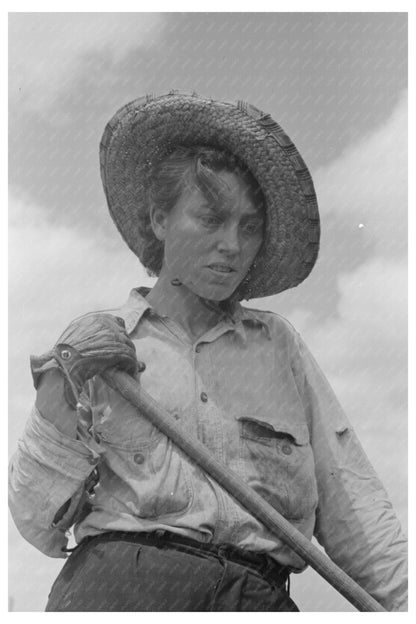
(216, 295)
(212, 292)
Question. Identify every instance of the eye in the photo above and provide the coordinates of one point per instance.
(252, 227)
(210, 220)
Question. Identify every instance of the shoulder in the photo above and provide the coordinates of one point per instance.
(277, 324)
(285, 338)
(130, 311)
(94, 317)
(92, 313)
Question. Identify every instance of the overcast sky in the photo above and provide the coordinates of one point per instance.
(337, 84)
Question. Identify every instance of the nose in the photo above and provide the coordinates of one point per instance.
(229, 241)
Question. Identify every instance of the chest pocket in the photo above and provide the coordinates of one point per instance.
(145, 473)
(277, 462)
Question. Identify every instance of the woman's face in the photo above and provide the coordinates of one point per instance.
(209, 245)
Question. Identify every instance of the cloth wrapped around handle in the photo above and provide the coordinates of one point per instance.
(88, 346)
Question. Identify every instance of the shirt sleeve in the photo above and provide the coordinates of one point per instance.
(355, 520)
(47, 474)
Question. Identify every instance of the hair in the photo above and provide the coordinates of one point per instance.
(169, 178)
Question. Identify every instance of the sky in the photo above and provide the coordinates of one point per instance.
(336, 82)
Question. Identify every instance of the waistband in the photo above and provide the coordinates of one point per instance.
(272, 571)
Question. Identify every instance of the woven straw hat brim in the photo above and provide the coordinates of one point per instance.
(147, 129)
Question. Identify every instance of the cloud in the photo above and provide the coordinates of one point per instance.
(51, 263)
(367, 339)
(367, 186)
(48, 50)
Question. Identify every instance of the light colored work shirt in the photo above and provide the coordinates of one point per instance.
(252, 393)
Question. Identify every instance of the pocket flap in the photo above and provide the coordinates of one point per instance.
(265, 431)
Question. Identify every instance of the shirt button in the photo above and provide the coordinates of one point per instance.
(286, 449)
(138, 458)
(204, 397)
(92, 461)
(141, 366)
(176, 416)
(198, 348)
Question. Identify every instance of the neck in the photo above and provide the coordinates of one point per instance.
(194, 314)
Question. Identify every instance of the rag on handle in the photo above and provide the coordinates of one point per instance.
(236, 487)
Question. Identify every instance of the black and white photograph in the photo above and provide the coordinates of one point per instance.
(207, 311)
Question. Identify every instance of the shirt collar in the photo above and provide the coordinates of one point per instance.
(134, 308)
(246, 317)
(237, 317)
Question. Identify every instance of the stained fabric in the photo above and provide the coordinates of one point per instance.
(252, 393)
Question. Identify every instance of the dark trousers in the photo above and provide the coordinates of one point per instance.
(145, 572)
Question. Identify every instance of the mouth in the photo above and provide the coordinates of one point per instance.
(221, 268)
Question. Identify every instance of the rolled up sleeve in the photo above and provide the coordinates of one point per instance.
(46, 476)
(355, 522)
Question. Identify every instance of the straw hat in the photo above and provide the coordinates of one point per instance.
(147, 129)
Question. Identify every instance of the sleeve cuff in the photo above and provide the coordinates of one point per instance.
(72, 457)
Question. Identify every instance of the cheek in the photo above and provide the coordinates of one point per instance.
(250, 250)
(183, 247)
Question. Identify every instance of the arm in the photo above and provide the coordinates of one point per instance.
(56, 454)
(48, 471)
(355, 521)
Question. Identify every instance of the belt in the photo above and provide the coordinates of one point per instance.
(273, 572)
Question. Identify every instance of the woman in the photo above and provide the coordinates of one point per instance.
(216, 201)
